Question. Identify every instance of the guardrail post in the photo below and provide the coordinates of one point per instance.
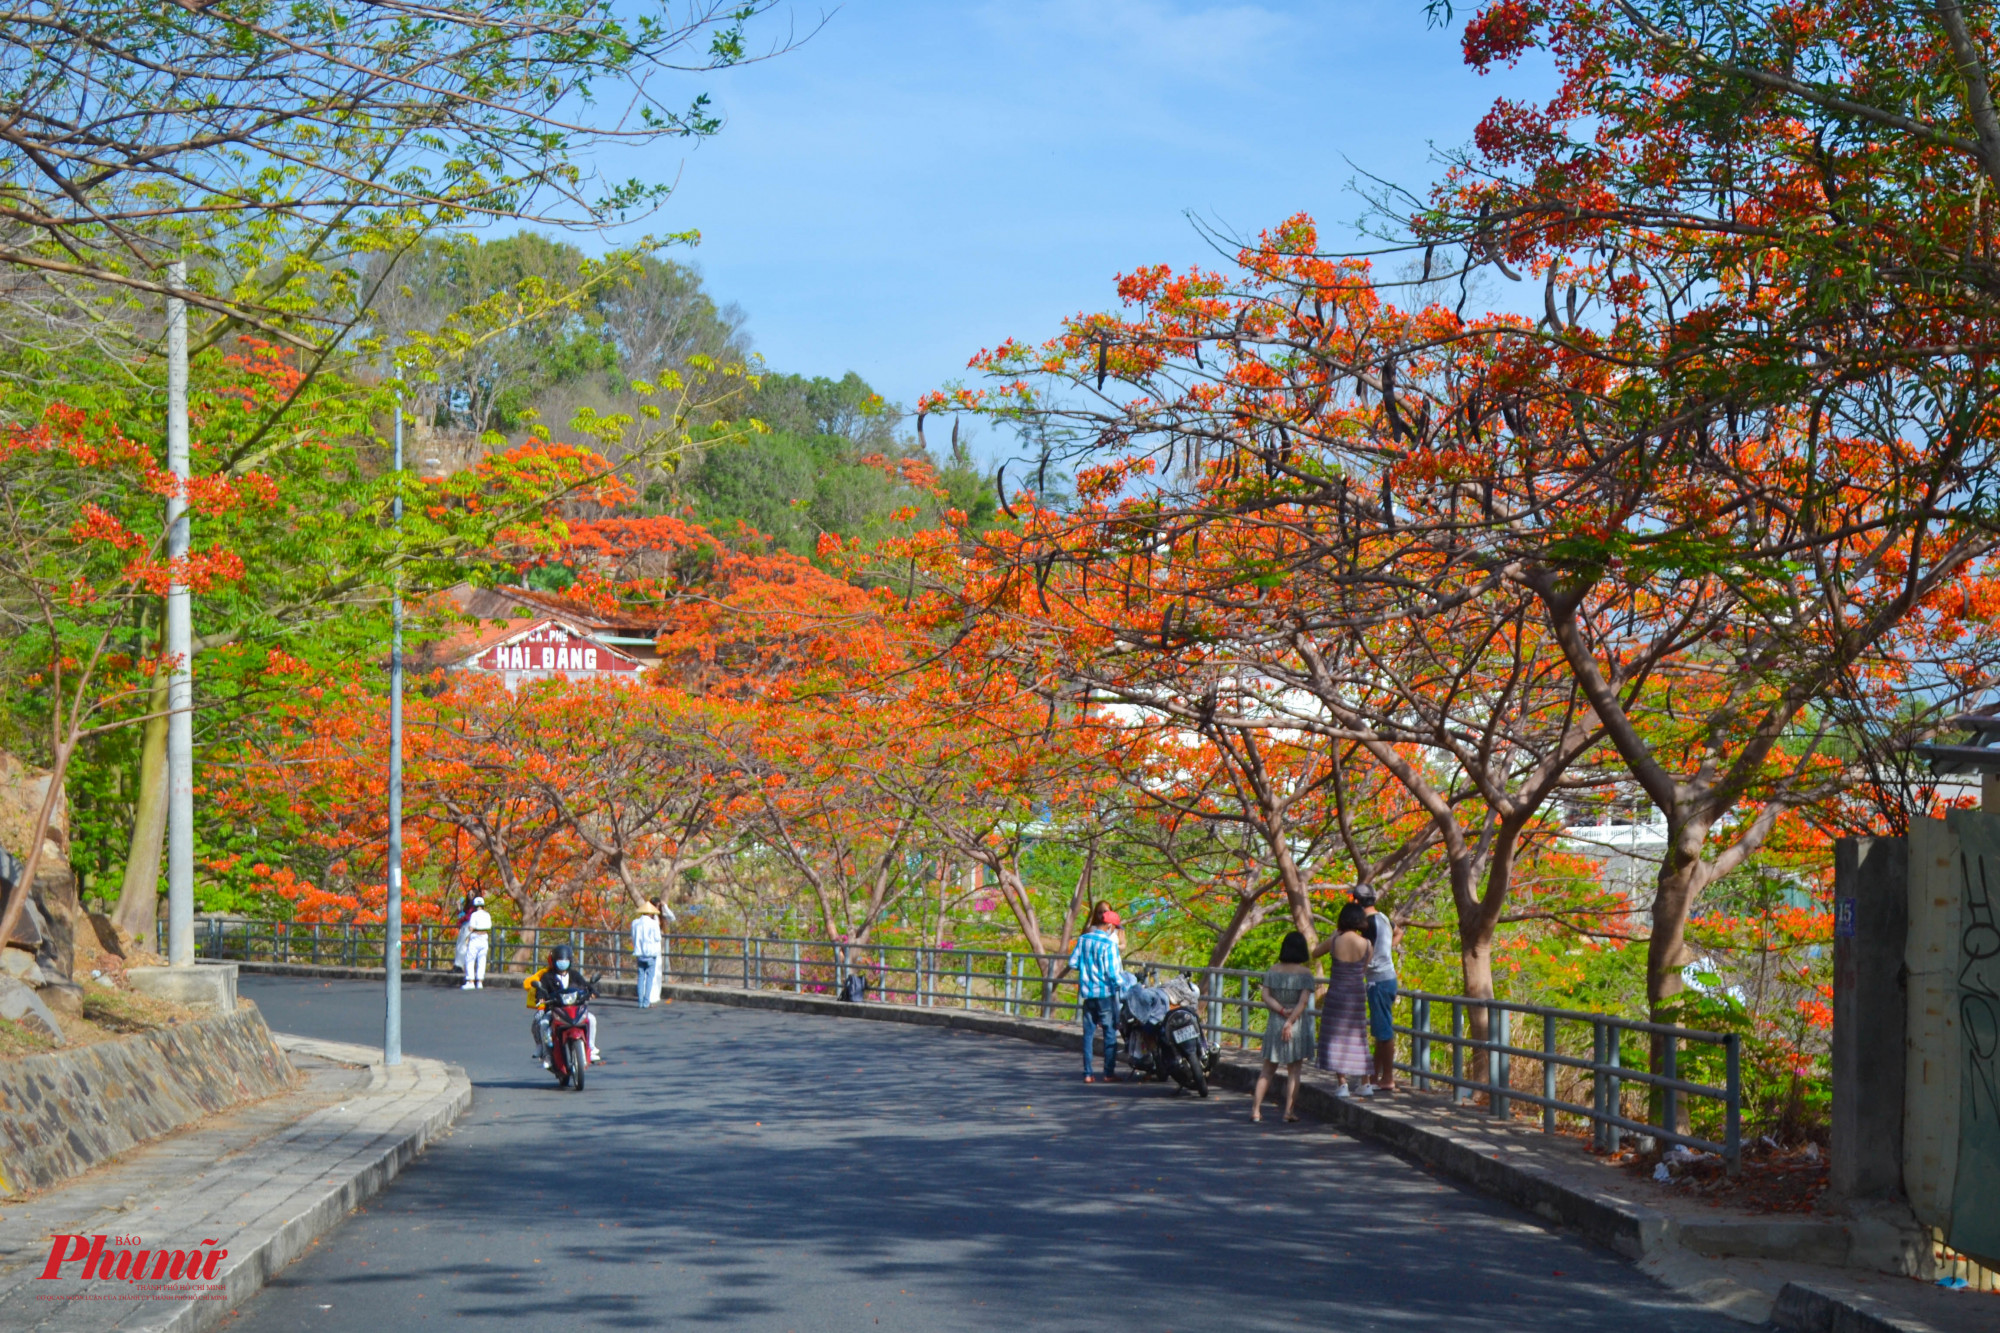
(1496, 1026)
(1732, 1139)
(797, 981)
(1420, 1041)
(1548, 1073)
(968, 981)
(1670, 1098)
(1614, 1095)
(1457, 1051)
(1598, 1108)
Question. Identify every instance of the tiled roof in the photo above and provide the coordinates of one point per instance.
(498, 615)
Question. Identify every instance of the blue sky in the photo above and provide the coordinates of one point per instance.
(920, 180)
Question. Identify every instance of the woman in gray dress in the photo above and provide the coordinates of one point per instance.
(1343, 1020)
(1288, 1034)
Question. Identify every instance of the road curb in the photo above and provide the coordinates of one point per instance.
(1804, 1308)
(417, 1102)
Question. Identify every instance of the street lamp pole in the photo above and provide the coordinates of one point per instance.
(180, 642)
(392, 928)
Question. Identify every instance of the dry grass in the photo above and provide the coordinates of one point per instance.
(107, 1015)
(120, 1012)
(18, 1039)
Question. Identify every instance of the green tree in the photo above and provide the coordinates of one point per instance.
(280, 145)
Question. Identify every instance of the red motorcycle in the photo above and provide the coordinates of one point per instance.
(569, 1037)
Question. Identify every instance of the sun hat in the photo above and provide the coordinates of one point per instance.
(647, 909)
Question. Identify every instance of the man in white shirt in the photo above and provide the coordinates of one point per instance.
(646, 953)
(1381, 973)
(476, 927)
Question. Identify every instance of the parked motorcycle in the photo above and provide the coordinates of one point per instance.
(569, 1036)
(1160, 1028)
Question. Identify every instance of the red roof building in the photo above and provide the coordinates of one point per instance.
(530, 636)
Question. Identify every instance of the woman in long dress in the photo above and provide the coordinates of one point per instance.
(1288, 1033)
(1343, 1021)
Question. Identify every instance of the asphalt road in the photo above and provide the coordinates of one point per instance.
(731, 1168)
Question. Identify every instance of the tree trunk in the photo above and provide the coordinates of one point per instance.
(1478, 920)
(1294, 881)
(137, 913)
(1475, 958)
(1248, 915)
(31, 863)
(1683, 874)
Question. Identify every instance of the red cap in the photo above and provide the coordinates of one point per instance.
(1111, 918)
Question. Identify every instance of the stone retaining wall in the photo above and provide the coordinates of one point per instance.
(65, 1112)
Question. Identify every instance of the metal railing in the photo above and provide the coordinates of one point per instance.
(1439, 1046)
(1609, 1068)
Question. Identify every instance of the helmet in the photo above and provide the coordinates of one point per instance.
(560, 959)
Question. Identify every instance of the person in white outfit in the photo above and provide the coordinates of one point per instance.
(646, 953)
(476, 927)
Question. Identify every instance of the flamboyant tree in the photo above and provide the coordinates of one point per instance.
(82, 548)
(1768, 226)
(1286, 457)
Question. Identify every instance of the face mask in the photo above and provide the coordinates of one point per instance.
(562, 969)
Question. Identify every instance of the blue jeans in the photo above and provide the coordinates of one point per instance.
(1382, 1010)
(644, 967)
(1101, 1011)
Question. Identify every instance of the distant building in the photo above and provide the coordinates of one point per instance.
(528, 635)
(544, 648)
(1628, 856)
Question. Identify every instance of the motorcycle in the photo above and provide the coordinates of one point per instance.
(569, 1037)
(1160, 1027)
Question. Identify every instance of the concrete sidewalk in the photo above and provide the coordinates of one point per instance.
(261, 1183)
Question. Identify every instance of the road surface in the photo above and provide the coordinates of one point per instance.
(738, 1169)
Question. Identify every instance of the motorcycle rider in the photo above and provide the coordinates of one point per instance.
(546, 987)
